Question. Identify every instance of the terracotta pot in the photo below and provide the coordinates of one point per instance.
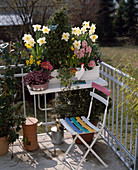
(40, 87)
(30, 134)
(4, 145)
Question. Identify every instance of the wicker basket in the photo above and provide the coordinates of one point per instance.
(30, 134)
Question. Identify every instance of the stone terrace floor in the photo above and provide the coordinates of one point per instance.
(48, 156)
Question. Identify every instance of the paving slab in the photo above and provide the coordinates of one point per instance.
(49, 156)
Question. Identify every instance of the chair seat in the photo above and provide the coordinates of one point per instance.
(79, 125)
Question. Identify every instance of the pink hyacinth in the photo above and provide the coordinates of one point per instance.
(88, 50)
(81, 54)
(91, 63)
(84, 44)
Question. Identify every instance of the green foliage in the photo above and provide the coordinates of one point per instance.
(10, 121)
(130, 89)
(57, 50)
(125, 19)
(130, 17)
(119, 20)
(65, 77)
(76, 103)
(105, 17)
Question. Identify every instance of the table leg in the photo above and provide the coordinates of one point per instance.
(45, 111)
(35, 106)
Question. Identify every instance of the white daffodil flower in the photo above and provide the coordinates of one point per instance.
(45, 30)
(78, 31)
(65, 36)
(77, 44)
(93, 37)
(86, 24)
(92, 29)
(31, 42)
(26, 38)
(41, 41)
(74, 30)
(83, 29)
(37, 27)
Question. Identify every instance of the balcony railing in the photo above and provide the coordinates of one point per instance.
(119, 129)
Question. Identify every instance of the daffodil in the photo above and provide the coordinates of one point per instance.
(31, 42)
(83, 29)
(27, 62)
(72, 38)
(91, 32)
(27, 45)
(74, 30)
(78, 31)
(72, 48)
(45, 30)
(67, 56)
(86, 24)
(65, 36)
(37, 27)
(38, 62)
(93, 27)
(26, 38)
(32, 60)
(41, 41)
(93, 37)
(31, 56)
(77, 44)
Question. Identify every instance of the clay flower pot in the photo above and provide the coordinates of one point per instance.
(4, 145)
(40, 87)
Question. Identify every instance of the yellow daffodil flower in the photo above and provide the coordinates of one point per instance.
(38, 62)
(72, 38)
(67, 56)
(31, 56)
(27, 62)
(73, 58)
(72, 48)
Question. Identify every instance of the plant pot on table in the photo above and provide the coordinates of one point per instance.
(39, 87)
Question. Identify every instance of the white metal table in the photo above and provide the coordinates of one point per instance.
(55, 88)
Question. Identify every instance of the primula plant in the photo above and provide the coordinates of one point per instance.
(84, 48)
(41, 76)
(37, 77)
(36, 47)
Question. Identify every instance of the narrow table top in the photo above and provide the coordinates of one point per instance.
(55, 87)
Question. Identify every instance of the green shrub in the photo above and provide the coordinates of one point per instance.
(57, 49)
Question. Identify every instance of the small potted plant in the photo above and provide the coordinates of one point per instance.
(38, 80)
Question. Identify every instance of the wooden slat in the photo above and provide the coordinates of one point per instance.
(63, 122)
(90, 124)
(84, 124)
(73, 126)
(99, 98)
(78, 125)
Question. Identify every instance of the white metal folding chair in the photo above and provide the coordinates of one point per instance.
(81, 125)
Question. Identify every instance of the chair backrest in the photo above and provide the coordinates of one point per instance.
(100, 98)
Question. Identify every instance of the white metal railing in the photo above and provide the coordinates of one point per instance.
(118, 130)
(117, 134)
